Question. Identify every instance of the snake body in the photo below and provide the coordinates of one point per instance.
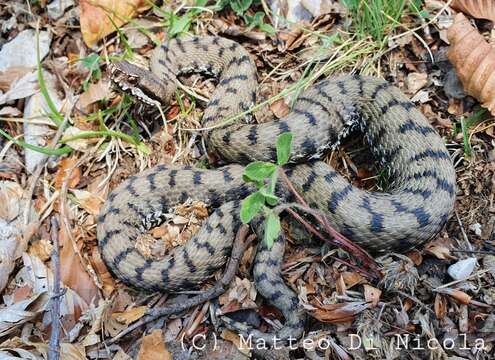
(413, 210)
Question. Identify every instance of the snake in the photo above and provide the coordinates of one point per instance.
(412, 210)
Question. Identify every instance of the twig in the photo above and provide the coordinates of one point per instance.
(338, 239)
(54, 346)
(463, 232)
(241, 243)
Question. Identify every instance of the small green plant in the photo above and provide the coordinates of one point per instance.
(376, 18)
(240, 7)
(265, 175)
(463, 127)
(180, 24)
(92, 63)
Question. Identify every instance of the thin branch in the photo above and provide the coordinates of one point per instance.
(241, 243)
(54, 346)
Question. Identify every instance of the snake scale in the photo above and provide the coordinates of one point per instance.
(413, 210)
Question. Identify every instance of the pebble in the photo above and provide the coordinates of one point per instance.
(462, 269)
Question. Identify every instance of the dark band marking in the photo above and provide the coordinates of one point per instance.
(228, 80)
(253, 135)
(337, 197)
(189, 263)
(310, 117)
(197, 177)
(409, 125)
(172, 175)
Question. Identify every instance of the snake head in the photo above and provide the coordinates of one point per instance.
(138, 82)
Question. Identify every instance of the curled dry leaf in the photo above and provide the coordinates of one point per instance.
(99, 16)
(480, 9)
(474, 61)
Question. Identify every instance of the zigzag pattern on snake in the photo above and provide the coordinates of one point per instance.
(412, 211)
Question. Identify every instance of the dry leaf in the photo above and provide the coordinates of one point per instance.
(13, 73)
(88, 201)
(129, 316)
(97, 17)
(78, 144)
(480, 9)
(65, 165)
(416, 81)
(153, 347)
(279, 108)
(351, 278)
(12, 241)
(21, 312)
(96, 92)
(72, 272)
(105, 278)
(474, 61)
(440, 306)
(338, 313)
(458, 295)
(235, 339)
(439, 248)
(372, 294)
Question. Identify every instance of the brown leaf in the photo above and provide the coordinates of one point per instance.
(480, 9)
(64, 167)
(106, 279)
(372, 294)
(88, 201)
(12, 74)
(458, 295)
(235, 339)
(440, 306)
(96, 92)
(351, 278)
(439, 248)
(97, 17)
(73, 273)
(130, 315)
(474, 61)
(338, 313)
(153, 347)
(279, 108)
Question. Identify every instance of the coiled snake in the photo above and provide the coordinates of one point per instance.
(414, 209)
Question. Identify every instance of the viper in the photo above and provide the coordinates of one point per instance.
(414, 208)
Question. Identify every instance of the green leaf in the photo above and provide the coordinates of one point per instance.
(251, 206)
(267, 28)
(272, 228)
(270, 198)
(259, 184)
(92, 63)
(240, 6)
(179, 25)
(259, 170)
(284, 144)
